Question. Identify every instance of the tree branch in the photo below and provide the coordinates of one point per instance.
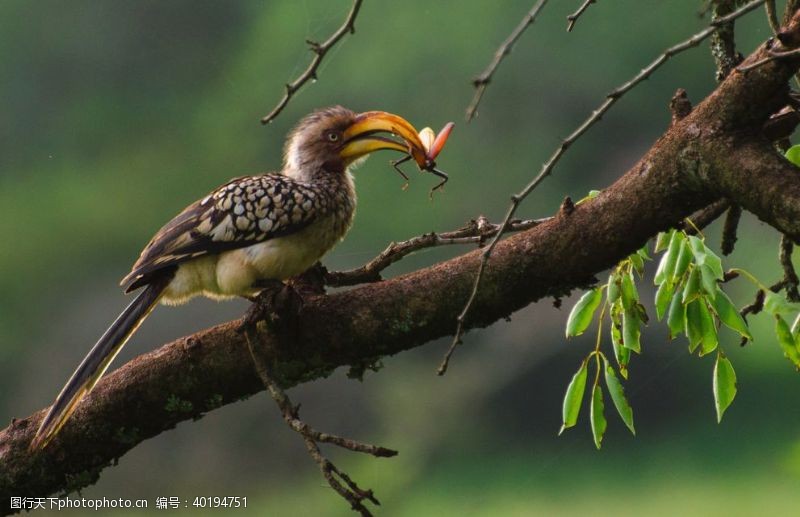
(482, 81)
(549, 165)
(319, 50)
(475, 232)
(572, 18)
(715, 151)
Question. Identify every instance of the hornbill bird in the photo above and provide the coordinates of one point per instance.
(252, 229)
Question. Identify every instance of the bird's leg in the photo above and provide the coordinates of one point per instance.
(337, 479)
(276, 303)
(310, 283)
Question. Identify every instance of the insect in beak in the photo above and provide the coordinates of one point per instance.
(425, 158)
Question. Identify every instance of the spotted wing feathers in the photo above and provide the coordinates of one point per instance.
(243, 212)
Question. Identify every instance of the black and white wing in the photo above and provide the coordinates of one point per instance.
(240, 213)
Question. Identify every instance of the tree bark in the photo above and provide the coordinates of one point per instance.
(715, 151)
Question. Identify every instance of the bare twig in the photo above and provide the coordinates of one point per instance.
(789, 274)
(482, 81)
(781, 125)
(772, 16)
(572, 18)
(679, 106)
(548, 166)
(788, 12)
(705, 216)
(773, 56)
(723, 44)
(337, 479)
(730, 228)
(789, 282)
(475, 232)
(319, 50)
(723, 50)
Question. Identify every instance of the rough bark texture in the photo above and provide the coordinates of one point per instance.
(715, 151)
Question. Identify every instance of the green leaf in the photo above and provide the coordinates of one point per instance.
(700, 328)
(574, 397)
(629, 293)
(598, 419)
(663, 296)
(693, 286)
(621, 353)
(641, 312)
(796, 329)
(724, 385)
(631, 331)
(708, 280)
(728, 314)
(613, 290)
(638, 262)
(666, 266)
(643, 253)
(684, 259)
(704, 256)
(786, 340)
(662, 240)
(714, 263)
(775, 303)
(676, 317)
(793, 155)
(617, 393)
(580, 317)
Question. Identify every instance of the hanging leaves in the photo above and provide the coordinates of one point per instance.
(724, 384)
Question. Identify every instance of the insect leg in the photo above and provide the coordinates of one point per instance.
(396, 165)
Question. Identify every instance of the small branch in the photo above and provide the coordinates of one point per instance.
(772, 16)
(772, 56)
(548, 166)
(730, 228)
(758, 304)
(788, 12)
(705, 216)
(337, 479)
(679, 106)
(475, 232)
(789, 282)
(781, 125)
(789, 274)
(482, 81)
(723, 50)
(319, 50)
(723, 44)
(572, 18)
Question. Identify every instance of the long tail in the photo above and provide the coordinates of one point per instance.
(96, 362)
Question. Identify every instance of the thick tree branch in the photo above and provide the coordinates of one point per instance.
(715, 151)
(566, 143)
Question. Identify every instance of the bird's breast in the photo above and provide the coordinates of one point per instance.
(291, 255)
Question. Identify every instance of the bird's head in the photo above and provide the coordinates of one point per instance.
(332, 139)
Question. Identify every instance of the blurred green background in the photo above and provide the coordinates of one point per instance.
(116, 114)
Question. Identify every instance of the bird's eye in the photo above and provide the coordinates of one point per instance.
(333, 137)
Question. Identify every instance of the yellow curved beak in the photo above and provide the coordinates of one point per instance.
(361, 139)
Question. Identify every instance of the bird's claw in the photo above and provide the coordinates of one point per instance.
(277, 303)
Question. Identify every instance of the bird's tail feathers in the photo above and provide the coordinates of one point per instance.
(97, 361)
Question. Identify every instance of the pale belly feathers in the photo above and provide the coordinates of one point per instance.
(233, 273)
